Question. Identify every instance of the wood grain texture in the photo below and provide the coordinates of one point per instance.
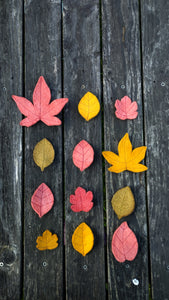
(155, 28)
(10, 150)
(85, 276)
(122, 76)
(43, 276)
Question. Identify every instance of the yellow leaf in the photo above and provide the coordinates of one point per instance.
(43, 154)
(47, 241)
(83, 239)
(127, 159)
(89, 106)
(123, 202)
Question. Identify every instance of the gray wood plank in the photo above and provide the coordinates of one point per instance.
(122, 76)
(85, 276)
(155, 28)
(10, 150)
(43, 273)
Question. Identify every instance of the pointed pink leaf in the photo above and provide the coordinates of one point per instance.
(25, 106)
(40, 109)
(83, 155)
(42, 200)
(124, 243)
(81, 201)
(56, 106)
(41, 94)
(125, 109)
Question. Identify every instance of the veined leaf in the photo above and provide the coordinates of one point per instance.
(47, 241)
(83, 239)
(125, 109)
(42, 200)
(127, 159)
(40, 109)
(43, 154)
(82, 200)
(89, 106)
(123, 202)
(83, 155)
(124, 243)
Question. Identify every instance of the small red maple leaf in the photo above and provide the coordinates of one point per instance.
(82, 200)
(40, 110)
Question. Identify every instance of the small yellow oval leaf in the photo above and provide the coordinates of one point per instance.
(47, 241)
(83, 239)
(89, 106)
(43, 154)
(123, 202)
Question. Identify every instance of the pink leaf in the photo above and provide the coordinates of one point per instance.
(81, 201)
(125, 109)
(42, 200)
(124, 243)
(83, 155)
(40, 109)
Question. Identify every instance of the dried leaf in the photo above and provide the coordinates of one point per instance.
(81, 201)
(43, 154)
(127, 159)
(42, 200)
(83, 239)
(124, 243)
(123, 202)
(83, 155)
(40, 109)
(47, 241)
(125, 109)
(89, 106)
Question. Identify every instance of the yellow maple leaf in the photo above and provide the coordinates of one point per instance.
(89, 106)
(127, 159)
(83, 239)
(47, 241)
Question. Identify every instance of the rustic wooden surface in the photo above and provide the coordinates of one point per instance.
(85, 276)
(10, 151)
(43, 270)
(111, 48)
(155, 28)
(122, 76)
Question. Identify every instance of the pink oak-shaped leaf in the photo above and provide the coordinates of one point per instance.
(82, 200)
(125, 109)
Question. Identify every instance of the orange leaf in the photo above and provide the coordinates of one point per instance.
(125, 109)
(47, 241)
(124, 243)
(40, 109)
(83, 155)
(83, 239)
(127, 159)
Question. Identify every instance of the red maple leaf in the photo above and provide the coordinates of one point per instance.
(40, 110)
(82, 200)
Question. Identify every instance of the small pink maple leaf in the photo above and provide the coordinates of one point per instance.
(125, 109)
(40, 109)
(82, 200)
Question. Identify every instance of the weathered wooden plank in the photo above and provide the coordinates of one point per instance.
(155, 28)
(43, 275)
(85, 276)
(122, 76)
(11, 150)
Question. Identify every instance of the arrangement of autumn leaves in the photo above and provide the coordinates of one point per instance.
(124, 242)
